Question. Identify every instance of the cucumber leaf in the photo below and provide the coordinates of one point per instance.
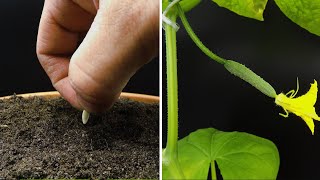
(238, 155)
(248, 8)
(305, 13)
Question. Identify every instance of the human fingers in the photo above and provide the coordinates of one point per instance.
(62, 25)
(123, 36)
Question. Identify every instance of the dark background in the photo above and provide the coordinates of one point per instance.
(276, 49)
(19, 67)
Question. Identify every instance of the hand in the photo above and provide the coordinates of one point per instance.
(117, 37)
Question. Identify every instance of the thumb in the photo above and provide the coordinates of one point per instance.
(123, 36)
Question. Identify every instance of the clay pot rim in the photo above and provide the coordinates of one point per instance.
(54, 94)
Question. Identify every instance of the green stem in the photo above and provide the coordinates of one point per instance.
(172, 86)
(233, 67)
(172, 90)
(213, 171)
(195, 38)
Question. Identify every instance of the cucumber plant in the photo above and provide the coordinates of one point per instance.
(238, 155)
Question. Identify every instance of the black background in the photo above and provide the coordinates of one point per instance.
(276, 49)
(19, 67)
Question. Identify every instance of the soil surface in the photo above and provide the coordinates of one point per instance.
(46, 139)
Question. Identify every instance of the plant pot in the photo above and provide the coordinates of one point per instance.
(54, 94)
(48, 140)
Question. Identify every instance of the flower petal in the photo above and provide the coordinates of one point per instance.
(309, 122)
(310, 98)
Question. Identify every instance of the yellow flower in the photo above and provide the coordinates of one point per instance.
(302, 106)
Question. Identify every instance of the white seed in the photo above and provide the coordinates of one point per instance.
(3, 126)
(85, 116)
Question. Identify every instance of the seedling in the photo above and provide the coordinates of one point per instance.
(238, 155)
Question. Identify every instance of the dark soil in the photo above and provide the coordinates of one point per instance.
(46, 139)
